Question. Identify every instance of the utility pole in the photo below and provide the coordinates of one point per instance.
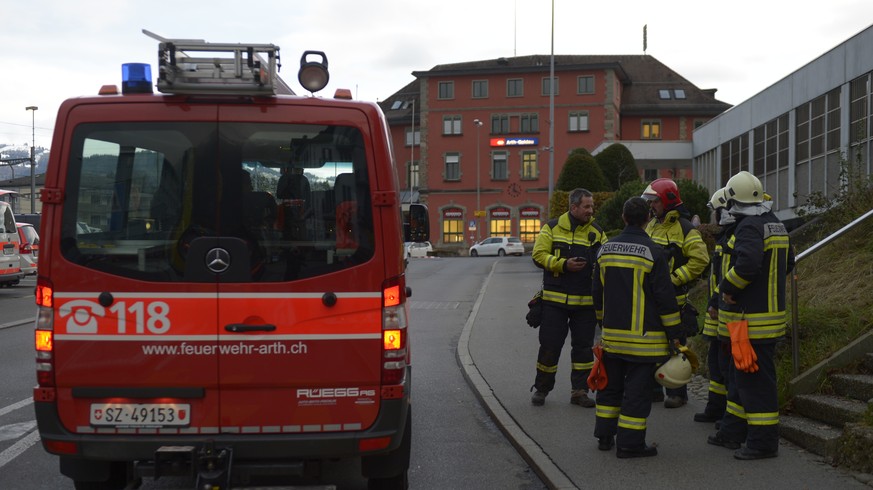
(32, 108)
(478, 124)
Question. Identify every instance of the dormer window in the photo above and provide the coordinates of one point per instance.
(679, 93)
(664, 94)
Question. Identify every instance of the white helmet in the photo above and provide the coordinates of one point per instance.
(674, 373)
(744, 188)
(718, 199)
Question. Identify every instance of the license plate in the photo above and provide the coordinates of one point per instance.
(140, 414)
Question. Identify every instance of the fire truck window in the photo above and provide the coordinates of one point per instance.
(142, 196)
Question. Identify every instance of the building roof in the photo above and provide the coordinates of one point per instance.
(643, 77)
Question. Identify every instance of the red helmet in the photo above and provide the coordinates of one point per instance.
(665, 190)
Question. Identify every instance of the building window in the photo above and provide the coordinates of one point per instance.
(578, 121)
(528, 229)
(453, 230)
(514, 87)
(409, 137)
(500, 227)
(859, 130)
(500, 124)
(547, 87)
(679, 94)
(698, 123)
(451, 124)
(480, 89)
(499, 166)
(585, 85)
(664, 94)
(453, 166)
(446, 90)
(735, 155)
(650, 174)
(651, 130)
(529, 170)
(412, 174)
(530, 123)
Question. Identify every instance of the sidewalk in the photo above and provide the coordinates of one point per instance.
(498, 353)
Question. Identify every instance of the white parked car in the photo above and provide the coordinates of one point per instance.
(498, 245)
(418, 249)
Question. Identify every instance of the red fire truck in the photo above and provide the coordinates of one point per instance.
(221, 289)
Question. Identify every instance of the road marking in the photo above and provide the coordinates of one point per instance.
(14, 431)
(16, 323)
(19, 447)
(434, 305)
(15, 406)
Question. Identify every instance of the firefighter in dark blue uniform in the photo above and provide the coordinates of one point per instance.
(565, 249)
(634, 299)
(719, 347)
(753, 290)
(688, 255)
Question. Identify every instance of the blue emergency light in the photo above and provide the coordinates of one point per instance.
(136, 78)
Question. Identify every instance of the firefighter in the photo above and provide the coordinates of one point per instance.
(687, 255)
(752, 308)
(719, 346)
(634, 301)
(565, 249)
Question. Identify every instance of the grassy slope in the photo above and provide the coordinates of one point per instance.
(835, 301)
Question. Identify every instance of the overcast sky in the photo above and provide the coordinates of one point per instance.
(56, 49)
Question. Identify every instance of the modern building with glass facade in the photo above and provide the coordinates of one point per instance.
(797, 134)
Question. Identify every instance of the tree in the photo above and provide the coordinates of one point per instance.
(581, 170)
(695, 197)
(609, 215)
(618, 165)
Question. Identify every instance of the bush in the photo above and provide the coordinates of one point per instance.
(618, 165)
(695, 197)
(609, 216)
(580, 170)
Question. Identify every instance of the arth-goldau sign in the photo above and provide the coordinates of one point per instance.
(515, 141)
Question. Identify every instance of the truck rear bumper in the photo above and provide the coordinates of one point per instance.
(256, 447)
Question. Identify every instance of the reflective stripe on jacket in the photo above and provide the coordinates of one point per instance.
(761, 259)
(556, 243)
(687, 252)
(632, 296)
(719, 265)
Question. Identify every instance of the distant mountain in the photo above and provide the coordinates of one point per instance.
(20, 169)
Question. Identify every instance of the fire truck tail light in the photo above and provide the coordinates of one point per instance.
(44, 293)
(391, 296)
(44, 342)
(392, 340)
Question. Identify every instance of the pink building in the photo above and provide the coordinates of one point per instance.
(475, 136)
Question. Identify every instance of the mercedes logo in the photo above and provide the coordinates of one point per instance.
(217, 260)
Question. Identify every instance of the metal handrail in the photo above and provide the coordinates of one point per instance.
(795, 334)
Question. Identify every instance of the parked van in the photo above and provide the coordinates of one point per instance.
(10, 261)
(199, 321)
(28, 249)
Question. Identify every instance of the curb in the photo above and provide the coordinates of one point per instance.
(529, 450)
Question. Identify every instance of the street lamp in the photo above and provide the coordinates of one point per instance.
(32, 156)
(478, 124)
